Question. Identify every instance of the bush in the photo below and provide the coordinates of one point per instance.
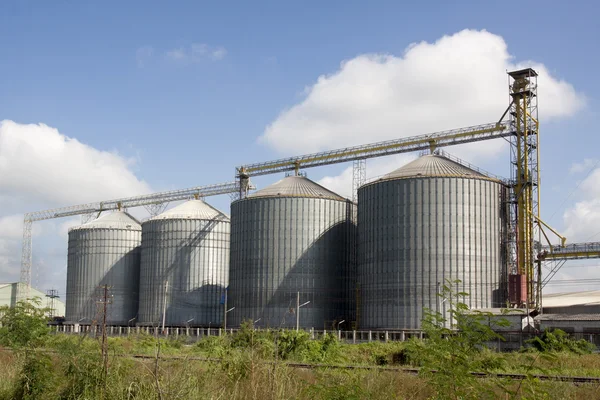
(448, 356)
(84, 376)
(36, 378)
(558, 341)
(291, 342)
(24, 325)
(214, 346)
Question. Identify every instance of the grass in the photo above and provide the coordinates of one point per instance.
(253, 367)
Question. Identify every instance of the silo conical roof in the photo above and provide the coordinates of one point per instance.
(191, 209)
(115, 220)
(296, 186)
(434, 165)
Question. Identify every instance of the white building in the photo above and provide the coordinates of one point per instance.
(8, 297)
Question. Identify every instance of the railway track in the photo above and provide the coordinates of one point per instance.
(412, 371)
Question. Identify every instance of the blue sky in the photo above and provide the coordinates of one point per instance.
(105, 74)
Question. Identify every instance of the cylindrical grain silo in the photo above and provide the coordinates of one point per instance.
(105, 251)
(429, 221)
(292, 237)
(185, 257)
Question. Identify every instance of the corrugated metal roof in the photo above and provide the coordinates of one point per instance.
(296, 186)
(571, 299)
(433, 165)
(114, 220)
(192, 209)
(568, 317)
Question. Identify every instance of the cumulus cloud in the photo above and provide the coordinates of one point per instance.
(196, 52)
(342, 183)
(581, 223)
(460, 80)
(37, 162)
(42, 168)
(582, 220)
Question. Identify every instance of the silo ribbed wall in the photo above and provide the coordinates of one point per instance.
(98, 257)
(190, 257)
(284, 245)
(414, 234)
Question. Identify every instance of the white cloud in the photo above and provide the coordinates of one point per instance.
(143, 54)
(459, 80)
(342, 183)
(195, 53)
(41, 168)
(37, 162)
(582, 221)
(584, 166)
(177, 54)
(11, 226)
(219, 53)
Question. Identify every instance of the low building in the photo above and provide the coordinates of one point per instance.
(570, 323)
(587, 302)
(8, 297)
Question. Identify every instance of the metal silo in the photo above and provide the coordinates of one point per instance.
(430, 220)
(105, 251)
(293, 236)
(185, 257)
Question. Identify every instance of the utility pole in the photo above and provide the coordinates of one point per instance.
(298, 305)
(225, 312)
(165, 307)
(51, 295)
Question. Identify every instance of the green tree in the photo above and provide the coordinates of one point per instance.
(448, 356)
(24, 325)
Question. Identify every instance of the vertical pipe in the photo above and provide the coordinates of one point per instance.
(225, 312)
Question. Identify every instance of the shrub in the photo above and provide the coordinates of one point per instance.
(24, 325)
(214, 346)
(448, 356)
(36, 378)
(558, 340)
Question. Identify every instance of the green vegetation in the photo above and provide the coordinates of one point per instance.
(559, 341)
(24, 325)
(253, 364)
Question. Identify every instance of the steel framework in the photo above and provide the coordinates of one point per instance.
(525, 176)
(359, 176)
(525, 230)
(405, 145)
(155, 203)
(525, 227)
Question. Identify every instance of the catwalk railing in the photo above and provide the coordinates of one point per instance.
(510, 340)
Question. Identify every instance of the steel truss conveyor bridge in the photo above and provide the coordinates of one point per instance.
(155, 203)
(518, 125)
(554, 257)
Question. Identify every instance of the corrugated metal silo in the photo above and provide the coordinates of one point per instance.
(185, 253)
(431, 220)
(105, 251)
(293, 236)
